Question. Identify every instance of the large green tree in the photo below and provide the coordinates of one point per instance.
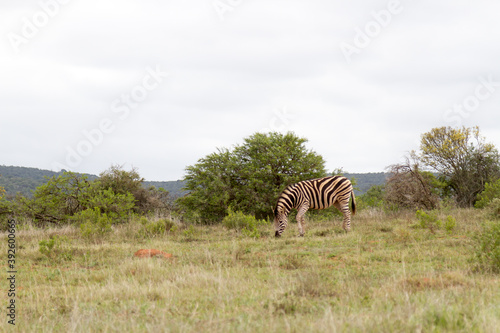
(249, 177)
(463, 158)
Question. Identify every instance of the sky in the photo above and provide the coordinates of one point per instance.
(158, 85)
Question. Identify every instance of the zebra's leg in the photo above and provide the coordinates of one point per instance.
(300, 218)
(344, 208)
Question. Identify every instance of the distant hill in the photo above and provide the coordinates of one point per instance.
(174, 187)
(24, 180)
(366, 180)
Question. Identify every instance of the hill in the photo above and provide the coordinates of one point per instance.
(24, 180)
(366, 180)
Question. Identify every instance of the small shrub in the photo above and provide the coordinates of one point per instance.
(493, 209)
(487, 247)
(430, 220)
(155, 228)
(94, 223)
(46, 246)
(52, 248)
(189, 234)
(247, 224)
(450, 224)
(491, 191)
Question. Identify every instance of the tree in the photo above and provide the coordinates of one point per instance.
(68, 195)
(463, 158)
(123, 182)
(249, 177)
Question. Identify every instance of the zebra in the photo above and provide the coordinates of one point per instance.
(317, 193)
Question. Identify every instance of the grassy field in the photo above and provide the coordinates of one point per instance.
(387, 275)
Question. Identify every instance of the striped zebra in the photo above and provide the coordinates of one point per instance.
(318, 193)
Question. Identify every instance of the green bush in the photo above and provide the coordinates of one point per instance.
(63, 199)
(374, 197)
(493, 209)
(491, 191)
(487, 247)
(52, 248)
(246, 224)
(450, 224)
(93, 223)
(46, 246)
(429, 220)
(155, 228)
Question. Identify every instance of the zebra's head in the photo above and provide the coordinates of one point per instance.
(280, 221)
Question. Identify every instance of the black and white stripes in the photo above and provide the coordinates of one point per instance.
(318, 193)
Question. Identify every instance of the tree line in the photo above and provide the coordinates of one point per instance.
(452, 166)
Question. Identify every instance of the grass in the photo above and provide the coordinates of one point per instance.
(387, 275)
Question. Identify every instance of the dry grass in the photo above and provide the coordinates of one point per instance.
(385, 276)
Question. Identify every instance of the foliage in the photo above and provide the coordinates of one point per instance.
(94, 224)
(493, 209)
(491, 191)
(463, 158)
(64, 197)
(247, 224)
(249, 177)
(58, 199)
(46, 246)
(487, 247)
(374, 197)
(52, 248)
(5, 206)
(117, 193)
(155, 228)
(116, 206)
(124, 182)
(429, 220)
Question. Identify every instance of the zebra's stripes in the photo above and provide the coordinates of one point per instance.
(318, 193)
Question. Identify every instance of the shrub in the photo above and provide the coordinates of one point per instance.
(493, 209)
(52, 248)
(429, 220)
(63, 198)
(450, 223)
(247, 224)
(93, 223)
(408, 187)
(491, 191)
(46, 246)
(374, 197)
(155, 228)
(487, 247)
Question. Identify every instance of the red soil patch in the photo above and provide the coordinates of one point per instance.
(149, 253)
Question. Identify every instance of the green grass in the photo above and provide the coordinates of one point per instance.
(387, 275)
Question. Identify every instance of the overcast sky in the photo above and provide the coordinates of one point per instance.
(160, 84)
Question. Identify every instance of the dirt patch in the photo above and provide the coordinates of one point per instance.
(149, 253)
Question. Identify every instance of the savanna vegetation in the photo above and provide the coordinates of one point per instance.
(424, 253)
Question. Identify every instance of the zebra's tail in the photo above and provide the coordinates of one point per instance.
(353, 203)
